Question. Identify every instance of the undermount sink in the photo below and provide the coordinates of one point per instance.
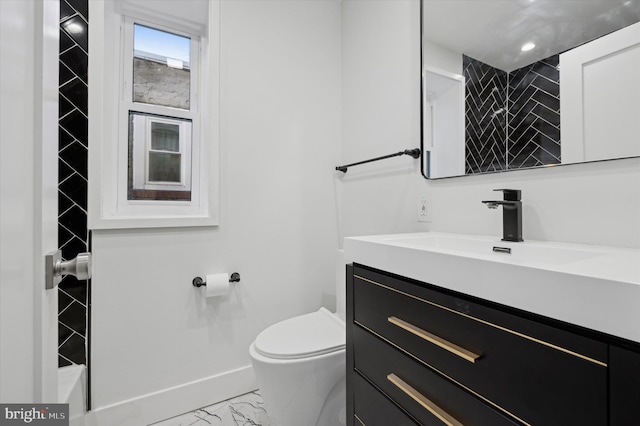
(533, 252)
(592, 286)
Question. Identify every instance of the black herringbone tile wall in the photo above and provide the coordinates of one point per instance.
(512, 119)
(534, 115)
(485, 116)
(72, 177)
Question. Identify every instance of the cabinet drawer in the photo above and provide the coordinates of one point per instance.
(531, 371)
(624, 387)
(420, 391)
(372, 408)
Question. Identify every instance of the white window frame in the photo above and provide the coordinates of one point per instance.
(110, 36)
(162, 113)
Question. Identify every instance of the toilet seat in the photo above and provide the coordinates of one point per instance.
(308, 335)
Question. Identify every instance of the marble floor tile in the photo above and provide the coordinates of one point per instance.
(244, 410)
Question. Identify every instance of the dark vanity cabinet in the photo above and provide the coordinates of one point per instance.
(418, 354)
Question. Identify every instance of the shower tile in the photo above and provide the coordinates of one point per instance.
(522, 120)
(64, 333)
(76, 91)
(64, 300)
(65, 74)
(63, 362)
(245, 409)
(74, 288)
(64, 171)
(74, 317)
(66, 11)
(547, 70)
(64, 203)
(76, 27)
(73, 349)
(64, 138)
(65, 41)
(71, 248)
(75, 220)
(82, 6)
(64, 107)
(77, 61)
(75, 187)
(76, 124)
(549, 101)
(72, 176)
(76, 156)
(519, 98)
(520, 79)
(64, 235)
(545, 84)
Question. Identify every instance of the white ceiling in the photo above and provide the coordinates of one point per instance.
(493, 31)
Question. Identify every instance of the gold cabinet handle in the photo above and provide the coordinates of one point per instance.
(438, 341)
(442, 415)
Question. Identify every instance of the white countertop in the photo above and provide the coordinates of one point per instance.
(592, 286)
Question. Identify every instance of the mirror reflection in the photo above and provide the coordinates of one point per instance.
(512, 84)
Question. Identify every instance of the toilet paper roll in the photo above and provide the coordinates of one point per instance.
(217, 285)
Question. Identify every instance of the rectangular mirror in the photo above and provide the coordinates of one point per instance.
(514, 84)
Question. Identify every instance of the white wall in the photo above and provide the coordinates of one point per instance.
(442, 58)
(158, 347)
(381, 109)
(596, 203)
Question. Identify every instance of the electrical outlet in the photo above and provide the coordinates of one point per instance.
(424, 209)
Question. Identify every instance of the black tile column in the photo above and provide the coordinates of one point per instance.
(485, 116)
(534, 115)
(73, 237)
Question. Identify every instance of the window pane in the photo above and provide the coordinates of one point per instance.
(164, 167)
(165, 137)
(159, 166)
(161, 67)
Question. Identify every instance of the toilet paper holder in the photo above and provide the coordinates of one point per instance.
(199, 282)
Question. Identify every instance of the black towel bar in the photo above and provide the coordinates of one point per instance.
(415, 153)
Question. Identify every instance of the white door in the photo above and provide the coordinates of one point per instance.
(28, 203)
(444, 122)
(600, 98)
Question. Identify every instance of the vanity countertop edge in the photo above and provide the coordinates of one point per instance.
(600, 293)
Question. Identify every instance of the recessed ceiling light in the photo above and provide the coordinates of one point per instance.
(527, 47)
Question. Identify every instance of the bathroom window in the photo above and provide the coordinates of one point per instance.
(160, 99)
(154, 79)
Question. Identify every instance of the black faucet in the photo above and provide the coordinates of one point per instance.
(511, 214)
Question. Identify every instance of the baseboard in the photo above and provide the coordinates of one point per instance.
(171, 402)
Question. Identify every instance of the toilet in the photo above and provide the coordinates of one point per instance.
(300, 364)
